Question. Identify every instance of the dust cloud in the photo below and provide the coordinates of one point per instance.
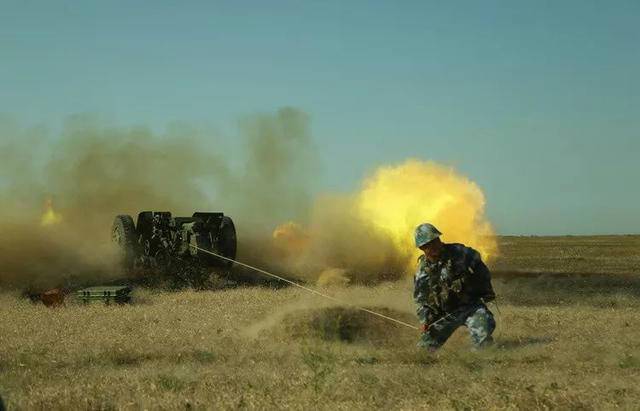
(367, 236)
(59, 196)
(60, 193)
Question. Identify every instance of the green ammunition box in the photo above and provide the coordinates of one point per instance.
(107, 294)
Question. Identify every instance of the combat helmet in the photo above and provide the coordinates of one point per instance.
(425, 233)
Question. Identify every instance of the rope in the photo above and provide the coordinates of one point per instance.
(311, 290)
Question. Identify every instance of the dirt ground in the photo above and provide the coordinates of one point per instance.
(567, 338)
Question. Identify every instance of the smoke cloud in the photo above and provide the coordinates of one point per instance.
(59, 195)
(76, 182)
(367, 236)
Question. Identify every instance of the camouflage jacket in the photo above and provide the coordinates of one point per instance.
(457, 279)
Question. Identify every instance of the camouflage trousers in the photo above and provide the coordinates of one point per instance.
(477, 318)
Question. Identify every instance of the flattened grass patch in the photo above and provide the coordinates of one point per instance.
(346, 325)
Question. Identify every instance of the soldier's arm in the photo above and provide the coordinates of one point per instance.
(481, 277)
(420, 293)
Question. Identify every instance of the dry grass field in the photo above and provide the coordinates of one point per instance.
(568, 337)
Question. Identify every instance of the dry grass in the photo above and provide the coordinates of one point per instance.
(570, 254)
(567, 342)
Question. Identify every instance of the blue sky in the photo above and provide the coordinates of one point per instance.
(537, 101)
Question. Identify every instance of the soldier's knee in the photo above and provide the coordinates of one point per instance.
(481, 325)
(482, 318)
(488, 322)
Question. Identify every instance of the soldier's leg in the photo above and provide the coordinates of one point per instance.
(439, 333)
(481, 325)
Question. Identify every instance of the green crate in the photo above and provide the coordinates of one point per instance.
(107, 294)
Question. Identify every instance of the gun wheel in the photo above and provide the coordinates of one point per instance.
(123, 235)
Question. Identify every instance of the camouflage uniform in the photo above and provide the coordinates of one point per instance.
(451, 292)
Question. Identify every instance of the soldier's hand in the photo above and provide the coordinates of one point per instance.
(425, 327)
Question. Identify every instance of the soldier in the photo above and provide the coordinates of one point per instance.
(451, 287)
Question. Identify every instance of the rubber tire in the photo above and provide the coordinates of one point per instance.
(227, 240)
(123, 234)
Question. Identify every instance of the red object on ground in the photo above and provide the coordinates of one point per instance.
(53, 297)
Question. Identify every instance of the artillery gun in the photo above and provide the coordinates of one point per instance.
(160, 241)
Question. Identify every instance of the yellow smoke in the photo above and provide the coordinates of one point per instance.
(291, 236)
(50, 216)
(396, 199)
(367, 236)
(333, 277)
